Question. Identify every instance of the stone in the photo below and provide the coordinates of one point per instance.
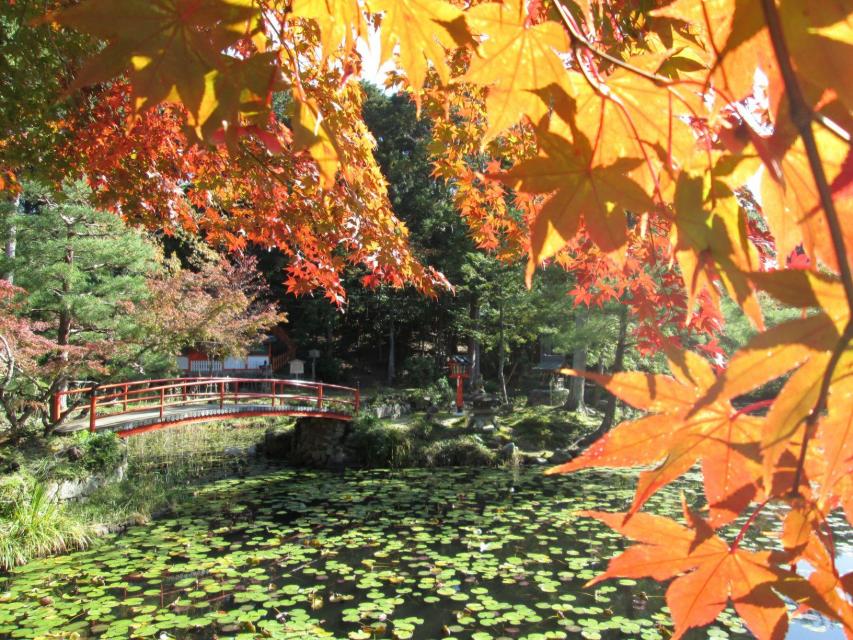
(320, 443)
(82, 487)
(488, 428)
(561, 456)
(508, 451)
(233, 452)
(73, 453)
(277, 444)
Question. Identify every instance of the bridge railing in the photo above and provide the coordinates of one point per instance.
(132, 397)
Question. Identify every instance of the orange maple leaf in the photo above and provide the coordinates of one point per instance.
(676, 436)
(710, 573)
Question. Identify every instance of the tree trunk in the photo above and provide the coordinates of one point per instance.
(12, 246)
(578, 385)
(618, 363)
(596, 390)
(502, 351)
(63, 331)
(610, 411)
(474, 344)
(392, 373)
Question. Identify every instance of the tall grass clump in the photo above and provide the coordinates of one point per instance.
(33, 524)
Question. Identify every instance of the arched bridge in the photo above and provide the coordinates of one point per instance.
(130, 408)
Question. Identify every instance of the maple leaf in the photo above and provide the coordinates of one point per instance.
(804, 344)
(710, 223)
(791, 204)
(600, 195)
(425, 31)
(311, 134)
(340, 21)
(820, 39)
(514, 59)
(734, 42)
(676, 436)
(171, 50)
(708, 572)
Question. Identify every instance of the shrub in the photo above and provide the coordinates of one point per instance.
(378, 444)
(103, 451)
(420, 371)
(458, 452)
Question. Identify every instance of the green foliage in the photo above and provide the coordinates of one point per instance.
(103, 451)
(420, 370)
(33, 524)
(84, 271)
(459, 451)
(380, 444)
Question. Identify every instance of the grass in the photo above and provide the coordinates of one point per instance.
(164, 470)
(33, 524)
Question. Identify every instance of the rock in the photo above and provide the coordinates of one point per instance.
(82, 487)
(252, 450)
(320, 443)
(561, 456)
(488, 428)
(508, 451)
(73, 453)
(233, 452)
(277, 444)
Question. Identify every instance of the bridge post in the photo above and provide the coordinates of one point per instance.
(320, 396)
(124, 404)
(93, 406)
(236, 391)
(221, 394)
(162, 400)
(273, 385)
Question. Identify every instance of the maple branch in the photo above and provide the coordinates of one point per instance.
(748, 523)
(802, 116)
(578, 39)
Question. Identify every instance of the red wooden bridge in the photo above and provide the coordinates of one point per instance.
(130, 408)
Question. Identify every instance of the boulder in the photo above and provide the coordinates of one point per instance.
(320, 443)
(277, 444)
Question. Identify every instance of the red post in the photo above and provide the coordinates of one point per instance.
(162, 400)
(319, 396)
(55, 407)
(459, 400)
(221, 394)
(125, 398)
(272, 382)
(93, 405)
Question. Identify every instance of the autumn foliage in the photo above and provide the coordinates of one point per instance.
(705, 141)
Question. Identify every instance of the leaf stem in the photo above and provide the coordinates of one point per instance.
(802, 116)
(748, 523)
(579, 39)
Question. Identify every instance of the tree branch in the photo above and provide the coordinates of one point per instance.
(802, 116)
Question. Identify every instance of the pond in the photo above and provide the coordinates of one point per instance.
(424, 554)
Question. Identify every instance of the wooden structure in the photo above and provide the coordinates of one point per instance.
(129, 408)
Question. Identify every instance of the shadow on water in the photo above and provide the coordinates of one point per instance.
(467, 554)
